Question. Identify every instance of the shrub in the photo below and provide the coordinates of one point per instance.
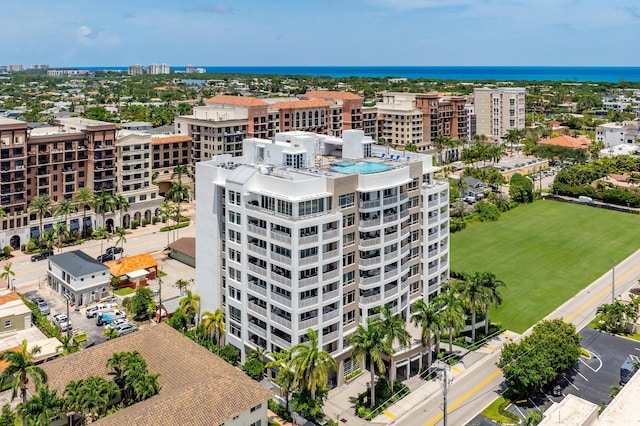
(7, 250)
(31, 245)
(353, 374)
(172, 227)
(254, 368)
(154, 219)
(23, 247)
(164, 218)
(134, 224)
(184, 219)
(279, 410)
(230, 353)
(487, 212)
(384, 398)
(144, 222)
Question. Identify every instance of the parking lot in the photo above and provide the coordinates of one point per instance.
(590, 379)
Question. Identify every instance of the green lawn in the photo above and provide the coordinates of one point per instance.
(545, 252)
(124, 291)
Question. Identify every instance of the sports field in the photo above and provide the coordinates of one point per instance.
(545, 252)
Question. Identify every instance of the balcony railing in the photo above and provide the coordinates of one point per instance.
(257, 289)
(328, 316)
(258, 330)
(257, 230)
(330, 275)
(370, 261)
(257, 269)
(279, 341)
(306, 282)
(311, 322)
(330, 295)
(282, 321)
(330, 234)
(330, 336)
(258, 309)
(280, 279)
(308, 302)
(370, 280)
(280, 299)
(371, 299)
(308, 239)
(369, 242)
(308, 260)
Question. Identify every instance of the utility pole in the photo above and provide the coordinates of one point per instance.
(444, 397)
(613, 281)
(159, 296)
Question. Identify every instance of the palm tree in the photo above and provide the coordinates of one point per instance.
(84, 197)
(427, 317)
(110, 333)
(369, 342)
(182, 284)
(69, 345)
(190, 305)
(212, 323)
(7, 274)
(513, 136)
(104, 203)
(180, 170)
(491, 284)
(167, 209)
(120, 204)
(121, 234)
(61, 231)
(178, 193)
(285, 377)
(394, 330)
(41, 205)
(42, 408)
(475, 295)
(21, 367)
(102, 233)
(3, 213)
(311, 365)
(452, 311)
(65, 208)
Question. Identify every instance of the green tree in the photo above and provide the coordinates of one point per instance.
(615, 316)
(69, 345)
(476, 296)
(190, 305)
(521, 188)
(65, 208)
(254, 366)
(102, 233)
(40, 205)
(141, 304)
(182, 284)
(394, 331)
(493, 297)
(369, 342)
(8, 417)
(131, 375)
(212, 324)
(83, 197)
(110, 333)
(452, 311)
(22, 367)
(103, 203)
(311, 365)
(61, 232)
(285, 377)
(7, 274)
(513, 136)
(121, 204)
(427, 317)
(121, 235)
(97, 113)
(41, 408)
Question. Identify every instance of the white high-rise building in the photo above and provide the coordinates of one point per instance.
(135, 69)
(158, 69)
(314, 231)
(498, 110)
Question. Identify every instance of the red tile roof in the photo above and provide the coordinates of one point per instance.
(246, 101)
(329, 94)
(169, 139)
(312, 103)
(9, 297)
(131, 263)
(566, 141)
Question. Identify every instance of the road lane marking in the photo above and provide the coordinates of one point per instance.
(464, 397)
(578, 373)
(570, 382)
(599, 295)
(491, 348)
(457, 370)
(389, 414)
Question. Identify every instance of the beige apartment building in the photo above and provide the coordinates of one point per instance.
(498, 110)
(345, 109)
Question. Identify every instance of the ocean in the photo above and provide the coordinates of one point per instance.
(575, 74)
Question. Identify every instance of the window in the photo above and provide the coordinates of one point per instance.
(349, 239)
(348, 220)
(257, 407)
(294, 160)
(7, 323)
(348, 259)
(348, 278)
(349, 298)
(235, 218)
(348, 317)
(346, 200)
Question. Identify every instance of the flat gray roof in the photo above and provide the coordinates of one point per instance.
(77, 263)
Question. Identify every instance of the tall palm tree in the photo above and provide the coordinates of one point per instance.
(167, 209)
(21, 367)
(180, 170)
(7, 274)
(65, 208)
(513, 136)
(427, 317)
(285, 377)
(102, 233)
(120, 204)
(369, 342)
(491, 284)
(121, 234)
(452, 311)
(42, 408)
(85, 198)
(190, 305)
(311, 365)
(61, 231)
(476, 296)
(178, 193)
(394, 331)
(103, 202)
(40, 205)
(212, 323)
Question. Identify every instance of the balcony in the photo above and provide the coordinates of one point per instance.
(364, 205)
(370, 280)
(279, 341)
(306, 324)
(310, 301)
(308, 260)
(258, 309)
(369, 223)
(258, 330)
(390, 217)
(280, 258)
(257, 230)
(281, 300)
(370, 261)
(280, 236)
(369, 242)
(390, 237)
(258, 250)
(257, 269)
(330, 295)
(330, 254)
(390, 255)
(308, 239)
(306, 282)
(282, 321)
(257, 289)
(391, 293)
(328, 316)
(330, 336)
(333, 233)
(280, 279)
(330, 275)
(392, 199)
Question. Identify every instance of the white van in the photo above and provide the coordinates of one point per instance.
(585, 199)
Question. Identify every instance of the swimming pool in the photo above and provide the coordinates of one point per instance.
(361, 167)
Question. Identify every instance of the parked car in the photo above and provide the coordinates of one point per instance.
(114, 250)
(105, 257)
(62, 322)
(42, 255)
(42, 305)
(127, 328)
(117, 323)
(94, 310)
(108, 316)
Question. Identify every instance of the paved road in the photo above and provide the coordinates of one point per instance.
(479, 386)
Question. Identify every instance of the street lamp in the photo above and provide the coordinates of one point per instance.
(67, 296)
(613, 281)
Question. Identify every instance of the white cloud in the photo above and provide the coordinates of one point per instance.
(88, 36)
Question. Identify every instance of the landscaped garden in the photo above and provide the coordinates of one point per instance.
(545, 253)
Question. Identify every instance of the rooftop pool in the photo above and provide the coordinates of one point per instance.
(360, 167)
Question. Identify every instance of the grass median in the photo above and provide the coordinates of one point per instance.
(545, 252)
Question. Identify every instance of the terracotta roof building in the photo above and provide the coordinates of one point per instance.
(197, 387)
(345, 110)
(134, 270)
(567, 142)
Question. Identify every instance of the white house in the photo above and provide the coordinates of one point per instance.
(78, 277)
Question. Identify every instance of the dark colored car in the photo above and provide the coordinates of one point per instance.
(114, 250)
(42, 255)
(105, 257)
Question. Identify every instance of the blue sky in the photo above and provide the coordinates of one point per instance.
(320, 32)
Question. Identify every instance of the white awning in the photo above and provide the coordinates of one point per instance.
(137, 274)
